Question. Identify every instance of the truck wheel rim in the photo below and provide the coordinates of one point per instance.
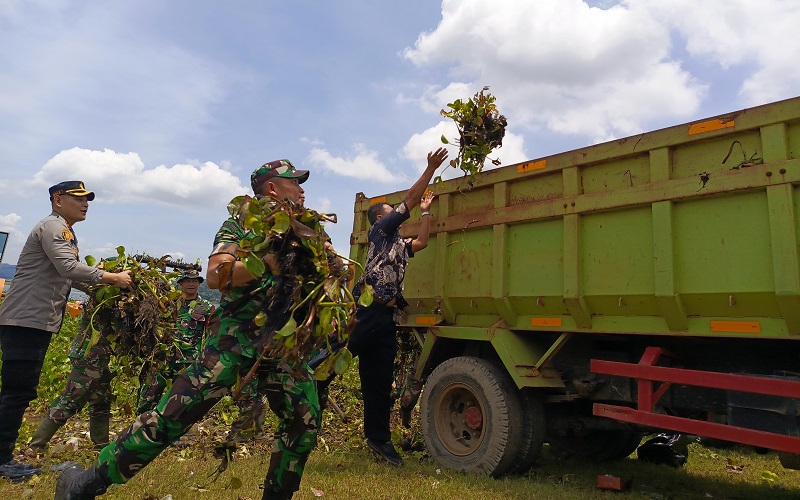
(459, 420)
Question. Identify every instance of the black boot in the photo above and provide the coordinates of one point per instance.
(78, 484)
(274, 493)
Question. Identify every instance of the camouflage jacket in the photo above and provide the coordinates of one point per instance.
(188, 336)
(241, 304)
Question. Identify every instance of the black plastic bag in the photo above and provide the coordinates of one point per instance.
(667, 448)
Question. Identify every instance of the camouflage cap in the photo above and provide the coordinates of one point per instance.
(276, 168)
(190, 274)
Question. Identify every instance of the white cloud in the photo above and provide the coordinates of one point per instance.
(755, 40)
(363, 164)
(123, 177)
(560, 64)
(9, 222)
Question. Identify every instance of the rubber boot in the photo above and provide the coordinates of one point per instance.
(98, 432)
(273, 493)
(44, 433)
(75, 483)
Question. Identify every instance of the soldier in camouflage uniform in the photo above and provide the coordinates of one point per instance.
(187, 341)
(228, 355)
(89, 382)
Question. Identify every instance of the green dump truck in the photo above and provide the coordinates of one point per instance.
(592, 296)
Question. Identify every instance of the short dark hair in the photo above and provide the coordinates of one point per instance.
(374, 211)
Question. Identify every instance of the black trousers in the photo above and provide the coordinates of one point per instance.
(23, 351)
(374, 341)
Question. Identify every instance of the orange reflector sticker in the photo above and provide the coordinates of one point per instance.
(379, 199)
(545, 321)
(736, 326)
(531, 165)
(699, 128)
(425, 320)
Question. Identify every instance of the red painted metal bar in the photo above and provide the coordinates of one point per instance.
(714, 380)
(646, 373)
(763, 439)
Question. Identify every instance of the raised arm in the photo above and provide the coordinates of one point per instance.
(414, 194)
(421, 241)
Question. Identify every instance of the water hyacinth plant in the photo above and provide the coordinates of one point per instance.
(307, 302)
(481, 129)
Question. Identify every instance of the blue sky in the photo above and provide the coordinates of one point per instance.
(164, 108)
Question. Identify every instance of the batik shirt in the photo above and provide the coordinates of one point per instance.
(387, 257)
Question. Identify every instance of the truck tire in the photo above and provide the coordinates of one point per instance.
(471, 417)
(533, 431)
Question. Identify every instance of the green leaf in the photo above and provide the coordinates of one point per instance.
(260, 319)
(287, 329)
(444, 140)
(254, 265)
(121, 251)
(324, 370)
(249, 220)
(94, 339)
(290, 341)
(282, 222)
(332, 290)
(235, 204)
(90, 261)
(366, 297)
(768, 476)
(343, 360)
(326, 319)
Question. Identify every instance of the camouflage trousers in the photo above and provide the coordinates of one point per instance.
(89, 382)
(252, 413)
(252, 410)
(157, 382)
(291, 395)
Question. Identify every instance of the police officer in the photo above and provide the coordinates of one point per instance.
(34, 309)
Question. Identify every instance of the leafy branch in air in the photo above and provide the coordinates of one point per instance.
(481, 129)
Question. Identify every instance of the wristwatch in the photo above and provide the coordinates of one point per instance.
(425, 213)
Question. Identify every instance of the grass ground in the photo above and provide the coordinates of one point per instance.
(343, 468)
(348, 470)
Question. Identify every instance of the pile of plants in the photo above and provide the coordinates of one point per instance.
(306, 301)
(481, 129)
(138, 322)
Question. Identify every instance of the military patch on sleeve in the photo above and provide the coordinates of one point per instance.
(67, 235)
